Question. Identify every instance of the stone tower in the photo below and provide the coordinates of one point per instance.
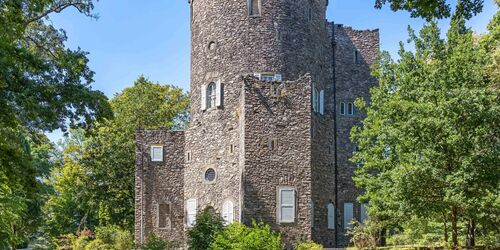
(264, 136)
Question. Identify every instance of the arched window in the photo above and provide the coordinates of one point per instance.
(315, 100)
(228, 212)
(331, 216)
(350, 108)
(211, 95)
(342, 108)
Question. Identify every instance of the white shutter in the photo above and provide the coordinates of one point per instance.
(364, 215)
(258, 75)
(331, 216)
(191, 209)
(228, 212)
(203, 97)
(278, 77)
(218, 94)
(287, 206)
(322, 102)
(348, 215)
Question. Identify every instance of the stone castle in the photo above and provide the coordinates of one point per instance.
(272, 91)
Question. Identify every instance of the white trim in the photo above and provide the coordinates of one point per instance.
(322, 102)
(291, 205)
(218, 94)
(331, 215)
(228, 212)
(191, 211)
(160, 157)
(203, 97)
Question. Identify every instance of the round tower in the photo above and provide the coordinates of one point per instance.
(231, 38)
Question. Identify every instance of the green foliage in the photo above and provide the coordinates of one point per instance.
(208, 224)
(429, 143)
(44, 85)
(110, 155)
(238, 236)
(430, 9)
(308, 245)
(365, 235)
(69, 207)
(155, 243)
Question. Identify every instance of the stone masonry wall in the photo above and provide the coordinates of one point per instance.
(285, 118)
(159, 183)
(353, 80)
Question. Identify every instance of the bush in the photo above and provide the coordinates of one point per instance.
(155, 243)
(309, 245)
(363, 235)
(238, 236)
(208, 224)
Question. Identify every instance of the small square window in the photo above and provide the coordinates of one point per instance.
(156, 153)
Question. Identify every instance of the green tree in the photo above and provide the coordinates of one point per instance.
(238, 236)
(69, 207)
(430, 9)
(429, 146)
(208, 224)
(110, 155)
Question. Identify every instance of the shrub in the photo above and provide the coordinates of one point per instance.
(155, 243)
(201, 235)
(363, 235)
(115, 238)
(238, 236)
(308, 245)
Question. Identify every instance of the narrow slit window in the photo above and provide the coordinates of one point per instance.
(357, 56)
(342, 108)
(350, 108)
(254, 7)
(331, 216)
(273, 144)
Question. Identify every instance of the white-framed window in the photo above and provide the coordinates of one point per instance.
(286, 205)
(211, 95)
(228, 212)
(348, 214)
(331, 215)
(163, 216)
(342, 108)
(254, 7)
(191, 211)
(268, 77)
(315, 100)
(350, 108)
(157, 153)
(322, 102)
(363, 213)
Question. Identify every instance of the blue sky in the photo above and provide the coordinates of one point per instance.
(151, 37)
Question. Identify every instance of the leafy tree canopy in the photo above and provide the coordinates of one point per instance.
(43, 84)
(429, 143)
(430, 9)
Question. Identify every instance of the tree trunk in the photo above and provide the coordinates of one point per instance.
(445, 224)
(471, 234)
(381, 241)
(454, 229)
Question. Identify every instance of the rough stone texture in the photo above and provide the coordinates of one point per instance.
(352, 81)
(159, 182)
(233, 139)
